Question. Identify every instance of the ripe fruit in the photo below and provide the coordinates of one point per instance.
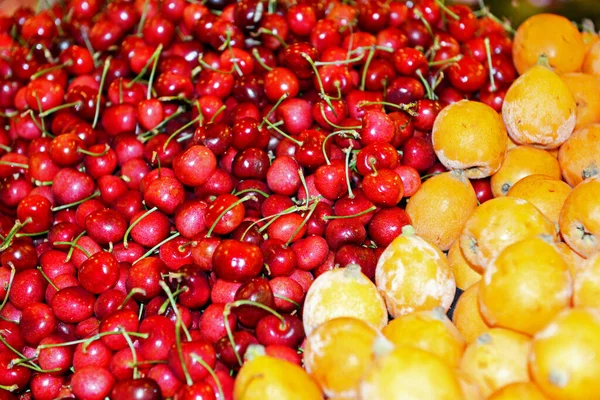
(470, 136)
(579, 156)
(343, 292)
(414, 275)
(525, 286)
(431, 331)
(546, 193)
(521, 162)
(539, 109)
(262, 377)
(497, 357)
(441, 206)
(586, 287)
(497, 223)
(464, 274)
(338, 353)
(584, 88)
(560, 361)
(518, 390)
(580, 218)
(552, 35)
(467, 315)
(408, 372)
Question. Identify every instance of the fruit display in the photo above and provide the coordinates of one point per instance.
(311, 199)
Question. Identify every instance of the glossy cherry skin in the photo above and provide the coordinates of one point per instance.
(237, 261)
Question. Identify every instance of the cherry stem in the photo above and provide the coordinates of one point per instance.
(183, 128)
(446, 61)
(14, 165)
(132, 292)
(11, 277)
(225, 211)
(87, 341)
(76, 246)
(324, 115)
(136, 373)
(324, 96)
(363, 79)
(204, 64)
(76, 203)
(49, 69)
(151, 133)
(152, 60)
(278, 296)
(60, 107)
(304, 185)
(346, 61)
(304, 221)
(32, 234)
(421, 18)
(92, 154)
(348, 151)
(100, 89)
(272, 110)
(211, 371)
(350, 132)
(70, 253)
(488, 53)
(11, 388)
(268, 309)
(430, 94)
(152, 250)
(46, 277)
(88, 44)
(282, 133)
(270, 33)
(368, 210)
(13, 231)
(447, 10)
(259, 60)
(178, 328)
(485, 12)
(153, 72)
(22, 357)
(250, 190)
(216, 114)
(143, 18)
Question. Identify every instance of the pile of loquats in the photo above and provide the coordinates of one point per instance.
(280, 200)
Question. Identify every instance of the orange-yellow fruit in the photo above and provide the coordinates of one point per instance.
(552, 35)
(564, 360)
(591, 64)
(497, 358)
(414, 275)
(337, 355)
(498, 223)
(409, 373)
(579, 157)
(573, 260)
(580, 218)
(525, 286)
(431, 331)
(587, 283)
(464, 274)
(539, 109)
(343, 292)
(441, 206)
(470, 136)
(546, 193)
(585, 89)
(520, 162)
(519, 391)
(265, 377)
(467, 317)
(470, 389)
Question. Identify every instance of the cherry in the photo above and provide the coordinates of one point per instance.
(191, 353)
(362, 256)
(105, 226)
(340, 232)
(142, 389)
(91, 382)
(99, 273)
(237, 261)
(21, 255)
(383, 187)
(37, 322)
(145, 276)
(462, 28)
(13, 374)
(418, 153)
(483, 189)
(301, 19)
(227, 353)
(73, 304)
(46, 386)
(427, 110)
(59, 359)
(467, 74)
(95, 354)
(411, 180)
(387, 224)
(28, 287)
(270, 330)
(256, 290)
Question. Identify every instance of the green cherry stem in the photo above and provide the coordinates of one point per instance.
(76, 203)
(11, 277)
(348, 151)
(47, 278)
(152, 250)
(212, 373)
(100, 88)
(368, 210)
(272, 110)
(178, 131)
(488, 53)
(225, 211)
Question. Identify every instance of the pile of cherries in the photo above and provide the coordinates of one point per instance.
(175, 174)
